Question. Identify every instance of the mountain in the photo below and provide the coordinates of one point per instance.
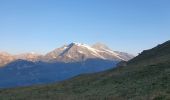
(146, 77)
(122, 55)
(29, 56)
(76, 52)
(58, 65)
(5, 58)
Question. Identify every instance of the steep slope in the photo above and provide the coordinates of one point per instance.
(139, 80)
(55, 53)
(160, 53)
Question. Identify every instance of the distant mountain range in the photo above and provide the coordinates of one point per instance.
(145, 77)
(74, 52)
(57, 65)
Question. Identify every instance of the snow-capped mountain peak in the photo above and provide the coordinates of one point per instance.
(80, 52)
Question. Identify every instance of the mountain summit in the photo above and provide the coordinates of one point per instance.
(76, 52)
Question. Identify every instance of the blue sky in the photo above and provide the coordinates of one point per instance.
(42, 25)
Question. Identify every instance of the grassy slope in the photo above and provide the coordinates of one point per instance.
(147, 77)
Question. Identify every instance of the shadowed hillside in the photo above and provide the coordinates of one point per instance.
(146, 77)
(159, 54)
